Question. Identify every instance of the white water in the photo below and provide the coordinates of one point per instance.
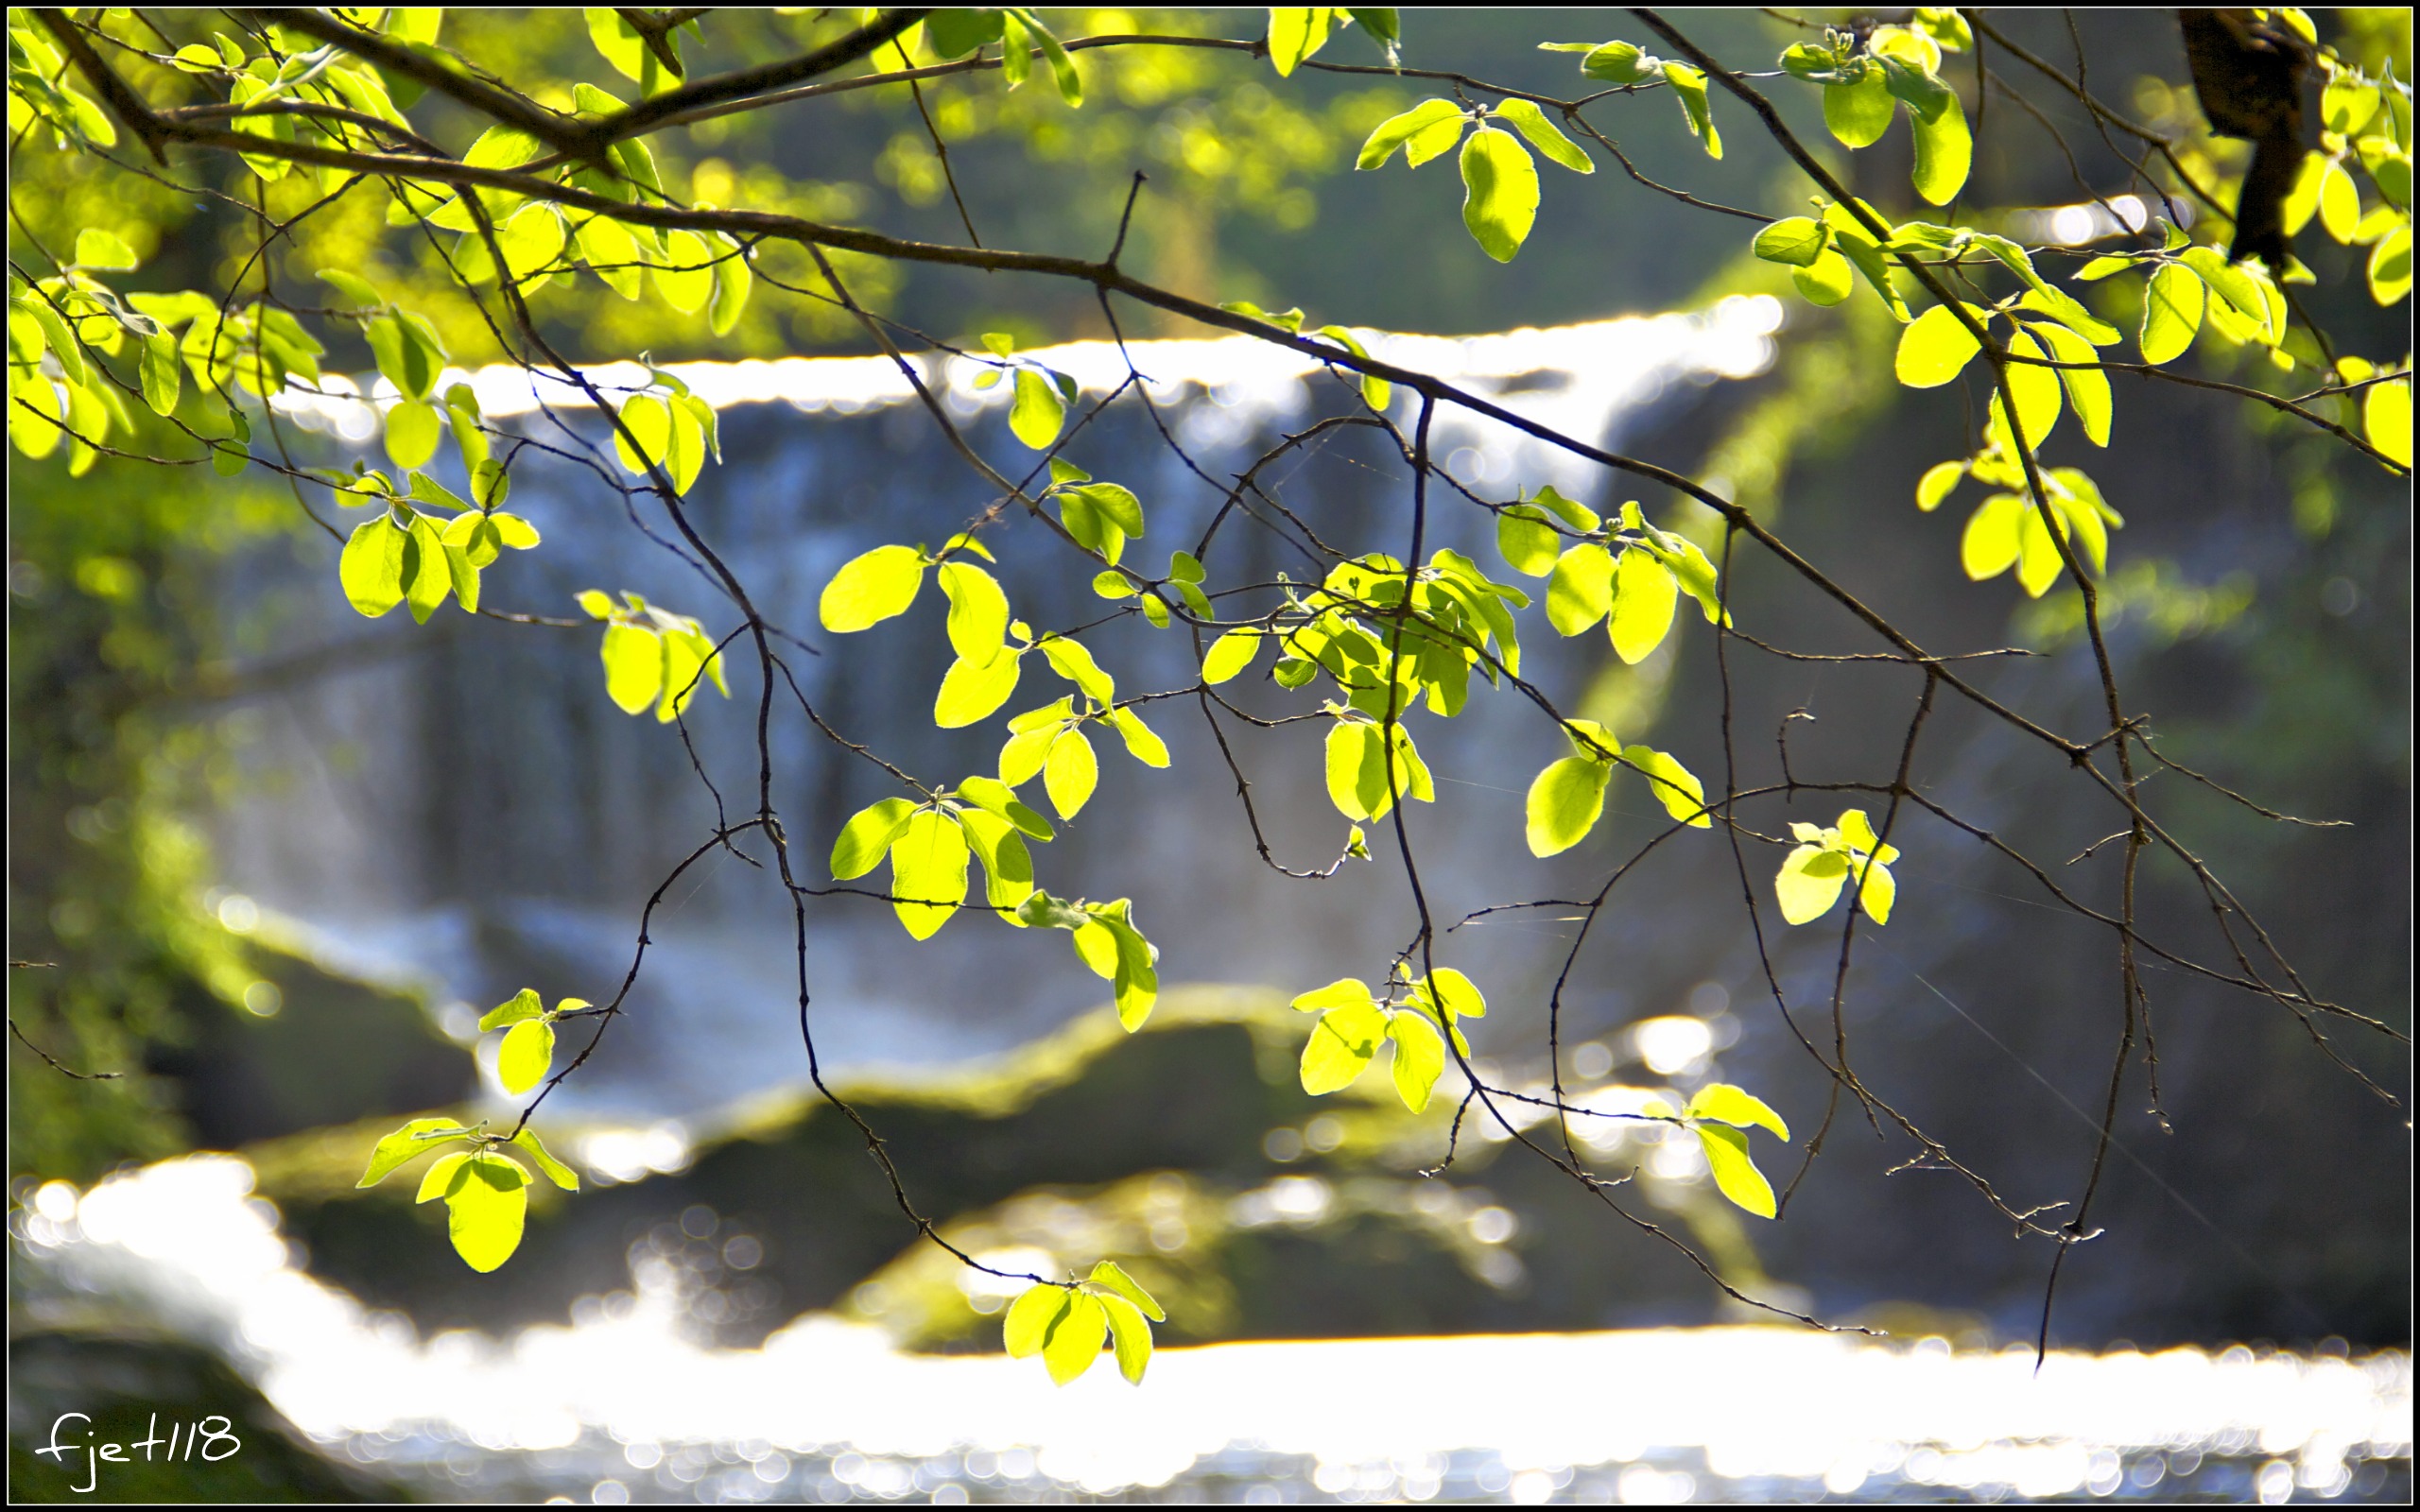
(621, 1406)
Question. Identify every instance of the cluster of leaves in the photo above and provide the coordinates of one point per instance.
(1354, 1024)
(1812, 874)
(1721, 1115)
(1068, 1323)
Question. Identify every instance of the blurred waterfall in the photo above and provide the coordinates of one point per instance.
(459, 806)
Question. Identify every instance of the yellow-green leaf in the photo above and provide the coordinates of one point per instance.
(1726, 1104)
(1935, 484)
(1809, 882)
(1796, 241)
(1038, 410)
(2386, 415)
(1944, 151)
(1645, 595)
(1500, 192)
(685, 278)
(970, 692)
(928, 871)
(871, 588)
(1110, 1274)
(2037, 389)
(525, 1056)
(1564, 804)
(1027, 1327)
(1229, 654)
(2087, 388)
(1141, 741)
(485, 1209)
(1675, 786)
(1129, 1335)
(1342, 1046)
(1581, 589)
(1357, 776)
(554, 1170)
(412, 1139)
(1935, 348)
(371, 566)
(1419, 126)
(1726, 1156)
(1544, 135)
(1070, 772)
(634, 658)
(1688, 87)
(978, 611)
(1074, 1338)
(442, 1176)
(1420, 1058)
(1858, 115)
(2171, 313)
(1877, 893)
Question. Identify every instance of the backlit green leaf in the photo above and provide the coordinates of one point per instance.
(1936, 347)
(1675, 786)
(1420, 1058)
(928, 871)
(485, 1207)
(1581, 589)
(1564, 804)
(1500, 192)
(525, 1056)
(1027, 1327)
(554, 1170)
(412, 431)
(970, 694)
(1530, 545)
(2037, 389)
(978, 611)
(871, 588)
(1857, 113)
(1809, 882)
(1726, 1104)
(2386, 415)
(1944, 151)
(1069, 773)
(371, 566)
(1074, 1338)
(1544, 135)
(1037, 411)
(525, 1004)
(1110, 1274)
(2171, 313)
(1342, 1046)
(1428, 116)
(1141, 742)
(1796, 241)
(1726, 1156)
(1990, 544)
(685, 277)
(633, 660)
(1229, 654)
(414, 1138)
(1129, 1335)
(1357, 777)
(1935, 484)
(1688, 86)
(1645, 594)
(441, 1175)
(867, 837)
(2087, 388)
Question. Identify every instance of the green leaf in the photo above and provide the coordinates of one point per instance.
(1141, 742)
(1073, 661)
(612, 253)
(1990, 545)
(1853, 241)
(1229, 654)
(1500, 192)
(1344, 992)
(1877, 893)
(1726, 1104)
(554, 1170)
(2037, 389)
(1007, 866)
(1857, 113)
(95, 247)
(1675, 786)
(163, 373)
(1936, 347)
(1357, 776)
(525, 1056)
(1342, 1046)
(1544, 135)
(2386, 415)
(2389, 266)
(732, 281)
(1615, 62)
(867, 837)
(412, 1139)
(871, 588)
(1796, 241)
(1130, 1336)
(1826, 281)
(2171, 313)
(684, 277)
(1944, 151)
(1564, 804)
(970, 694)
(2087, 388)
(978, 612)
(1726, 1156)
(371, 566)
(1809, 882)
(530, 240)
(439, 1178)
(1375, 391)
(1069, 773)
(634, 658)
(1420, 1058)
(1038, 410)
(955, 33)
(525, 1004)
(485, 1207)
(1074, 1338)
(2229, 282)
(1108, 1273)
(928, 871)
(1415, 125)
(1688, 87)
(1581, 589)
(1296, 32)
(2038, 563)
(1029, 1319)
(1645, 594)
(1529, 543)
(412, 431)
